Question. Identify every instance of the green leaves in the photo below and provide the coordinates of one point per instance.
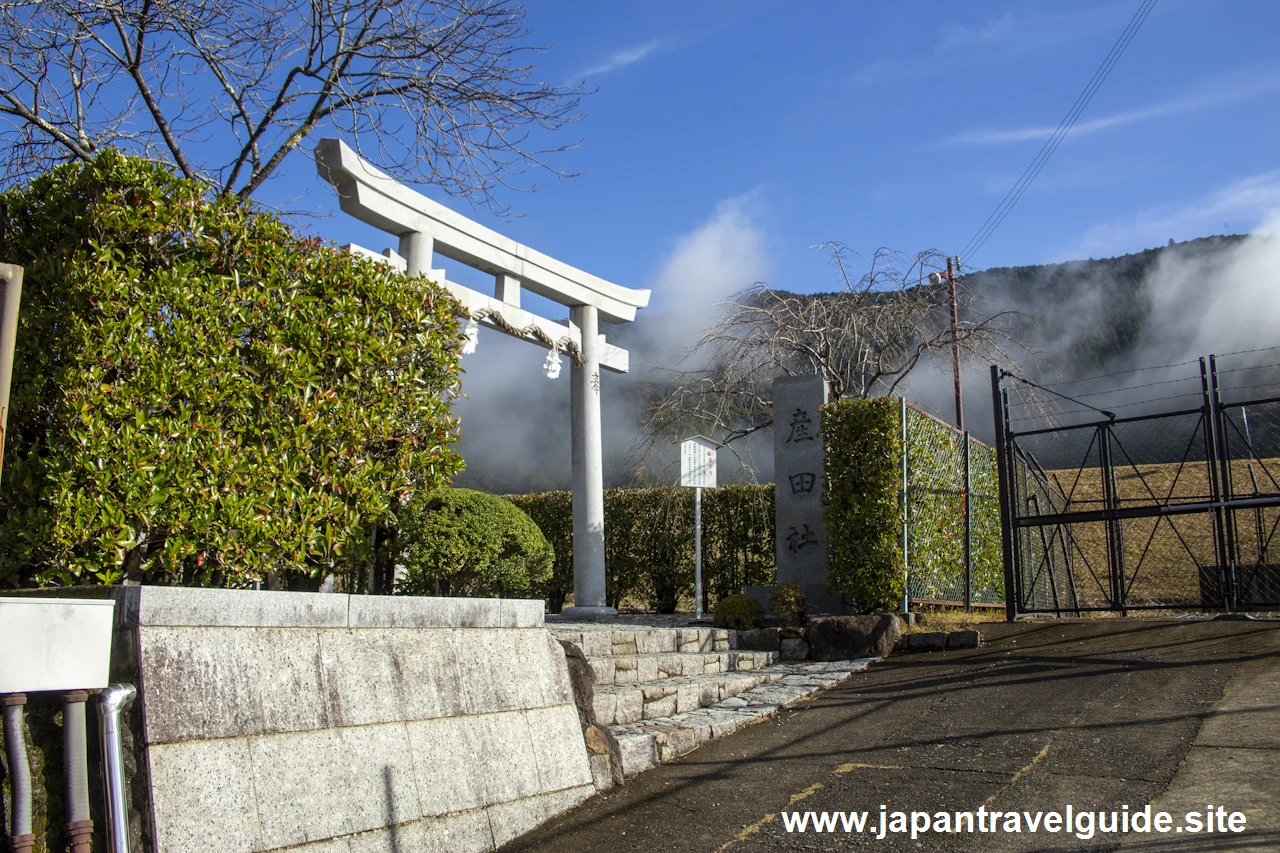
(863, 457)
(649, 543)
(463, 542)
(863, 446)
(202, 397)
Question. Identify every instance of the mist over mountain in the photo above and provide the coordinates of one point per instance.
(1158, 309)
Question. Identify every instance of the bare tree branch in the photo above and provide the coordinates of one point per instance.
(440, 91)
(864, 340)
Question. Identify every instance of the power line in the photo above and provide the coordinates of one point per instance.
(1064, 127)
(1120, 373)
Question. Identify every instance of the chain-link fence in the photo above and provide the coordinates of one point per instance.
(952, 516)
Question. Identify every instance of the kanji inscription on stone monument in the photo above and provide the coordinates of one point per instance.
(797, 460)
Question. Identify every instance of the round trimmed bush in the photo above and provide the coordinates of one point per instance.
(466, 543)
(788, 605)
(738, 612)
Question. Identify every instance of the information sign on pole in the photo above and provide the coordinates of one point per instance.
(697, 471)
(698, 463)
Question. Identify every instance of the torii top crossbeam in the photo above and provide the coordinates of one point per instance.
(424, 226)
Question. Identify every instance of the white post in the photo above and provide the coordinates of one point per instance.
(697, 553)
(588, 473)
(416, 248)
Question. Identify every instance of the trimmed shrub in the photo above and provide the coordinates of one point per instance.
(649, 552)
(553, 513)
(788, 604)
(738, 550)
(202, 397)
(863, 447)
(466, 543)
(738, 612)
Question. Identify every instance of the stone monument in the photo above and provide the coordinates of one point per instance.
(798, 476)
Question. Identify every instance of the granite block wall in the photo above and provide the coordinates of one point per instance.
(278, 721)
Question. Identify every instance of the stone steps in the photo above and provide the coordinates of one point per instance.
(649, 700)
(633, 669)
(663, 692)
(599, 641)
(648, 742)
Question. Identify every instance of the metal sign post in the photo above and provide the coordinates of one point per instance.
(697, 471)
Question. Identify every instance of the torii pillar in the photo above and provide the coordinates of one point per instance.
(588, 473)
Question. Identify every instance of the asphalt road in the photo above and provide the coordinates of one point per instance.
(1094, 713)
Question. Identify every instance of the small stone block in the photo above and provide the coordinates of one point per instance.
(963, 640)
(934, 641)
(639, 752)
(601, 772)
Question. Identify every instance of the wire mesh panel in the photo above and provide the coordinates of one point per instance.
(986, 562)
(1165, 559)
(953, 520)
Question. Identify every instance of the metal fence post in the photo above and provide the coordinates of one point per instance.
(1110, 502)
(1211, 429)
(1230, 590)
(968, 527)
(906, 514)
(1004, 478)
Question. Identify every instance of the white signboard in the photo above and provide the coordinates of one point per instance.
(698, 463)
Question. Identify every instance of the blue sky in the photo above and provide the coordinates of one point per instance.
(747, 132)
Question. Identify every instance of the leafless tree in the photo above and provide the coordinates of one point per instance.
(864, 340)
(440, 91)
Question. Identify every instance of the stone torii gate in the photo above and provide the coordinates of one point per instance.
(423, 227)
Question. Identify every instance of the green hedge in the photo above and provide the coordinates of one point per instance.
(649, 549)
(202, 397)
(553, 513)
(862, 443)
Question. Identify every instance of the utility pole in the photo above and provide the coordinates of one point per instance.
(952, 272)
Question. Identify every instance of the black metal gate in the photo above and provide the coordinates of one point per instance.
(1164, 510)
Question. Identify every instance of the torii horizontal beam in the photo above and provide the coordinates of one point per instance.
(377, 199)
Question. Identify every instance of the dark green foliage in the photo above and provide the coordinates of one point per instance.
(649, 548)
(738, 612)
(553, 513)
(863, 443)
(200, 396)
(787, 604)
(467, 543)
(738, 550)
(863, 447)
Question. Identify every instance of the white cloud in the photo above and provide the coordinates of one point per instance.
(1178, 106)
(1021, 30)
(720, 257)
(1241, 206)
(622, 59)
(1014, 33)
